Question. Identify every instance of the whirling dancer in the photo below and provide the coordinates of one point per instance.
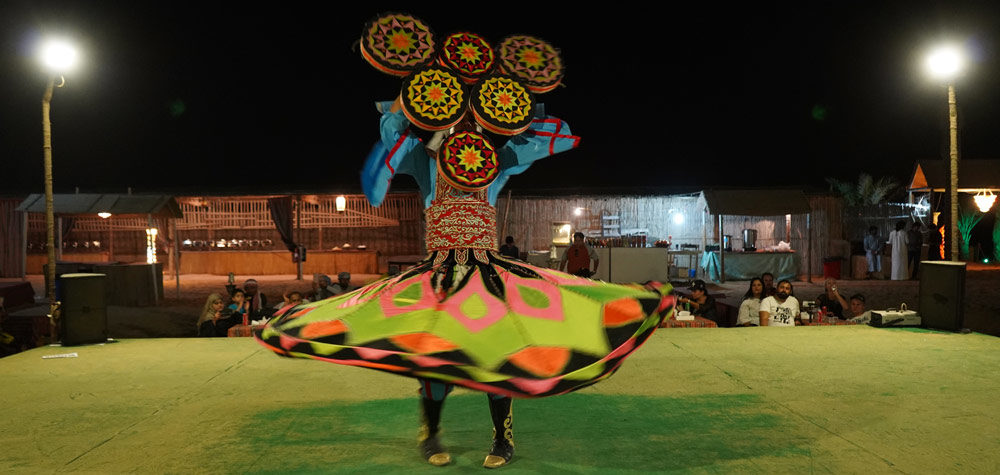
(467, 315)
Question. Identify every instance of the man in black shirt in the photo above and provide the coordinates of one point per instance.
(832, 300)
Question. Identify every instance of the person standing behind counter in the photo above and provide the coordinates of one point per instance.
(578, 256)
(780, 309)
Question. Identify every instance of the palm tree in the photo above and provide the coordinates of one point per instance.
(867, 191)
(967, 219)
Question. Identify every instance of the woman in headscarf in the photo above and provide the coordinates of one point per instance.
(210, 315)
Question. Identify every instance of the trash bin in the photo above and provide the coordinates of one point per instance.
(831, 267)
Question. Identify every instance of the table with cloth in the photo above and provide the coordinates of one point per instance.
(747, 265)
(698, 322)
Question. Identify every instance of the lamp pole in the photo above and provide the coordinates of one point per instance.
(50, 272)
(946, 62)
(953, 183)
(57, 56)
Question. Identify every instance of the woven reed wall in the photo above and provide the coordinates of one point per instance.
(11, 238)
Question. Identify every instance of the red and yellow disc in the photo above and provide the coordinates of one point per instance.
(468, 161)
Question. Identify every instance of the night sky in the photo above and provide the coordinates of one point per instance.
(211, 98)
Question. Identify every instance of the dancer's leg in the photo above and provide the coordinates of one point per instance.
(502, 413)
(432, 396)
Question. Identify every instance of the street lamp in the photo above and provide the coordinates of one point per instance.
(58, 57)
(946, 63)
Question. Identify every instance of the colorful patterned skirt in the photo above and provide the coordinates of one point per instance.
(474, 318)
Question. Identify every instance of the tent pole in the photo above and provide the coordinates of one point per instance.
(704, 231)
(297, 234)
(809, 263)
(722, 254)
(177, 258)
(24, 244)
(59, 239)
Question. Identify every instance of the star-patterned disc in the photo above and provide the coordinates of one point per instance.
(468, 54)
(434, 98)
(502, 105)
(531, 60)
(468, 161)
(397, 44)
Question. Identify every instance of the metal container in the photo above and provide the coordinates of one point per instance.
(727, 242)
(749, 239)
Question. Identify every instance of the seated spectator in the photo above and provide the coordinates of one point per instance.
(509, 249)
(832, 300)
(768, 279)
(210, 315)
(700, 303)
(292, 298)
(858, 312)
(239, 306)
(256, 300)
(749, 314)
(321, 287)
(780, 309)
(343, 284)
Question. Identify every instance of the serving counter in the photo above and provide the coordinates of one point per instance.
(747, 265)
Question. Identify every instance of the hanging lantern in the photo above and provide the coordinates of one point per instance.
(984, 200)
(104, 214)
(341, 203)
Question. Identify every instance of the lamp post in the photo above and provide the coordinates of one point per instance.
(58, 57)
(946, 63)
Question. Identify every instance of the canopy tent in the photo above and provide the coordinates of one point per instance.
(88, 204)
(756, 202)
(118, 205)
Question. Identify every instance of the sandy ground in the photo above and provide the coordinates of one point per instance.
(804, 400)
(177, 314)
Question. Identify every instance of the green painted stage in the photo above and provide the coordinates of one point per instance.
(845, 399)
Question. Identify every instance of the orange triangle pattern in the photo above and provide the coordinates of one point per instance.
(321, 329)
(543, 361)
(622, 311)
(422, 343)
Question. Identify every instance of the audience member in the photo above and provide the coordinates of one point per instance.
(292, 298)
(780, 309)
(321, 287)
(749, 314)
(343, 284)
(832, 300)
(873, 252)
(858, 312)
(914, 242)
(576, 259)
(700, 303)
(256, 300)
(239, 306)
(897, 245)
(509, 249)
(210, 315)
(767, 279)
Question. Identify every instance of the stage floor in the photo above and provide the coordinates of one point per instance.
(846, 399)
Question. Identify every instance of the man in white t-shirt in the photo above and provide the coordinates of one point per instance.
(780, 309)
